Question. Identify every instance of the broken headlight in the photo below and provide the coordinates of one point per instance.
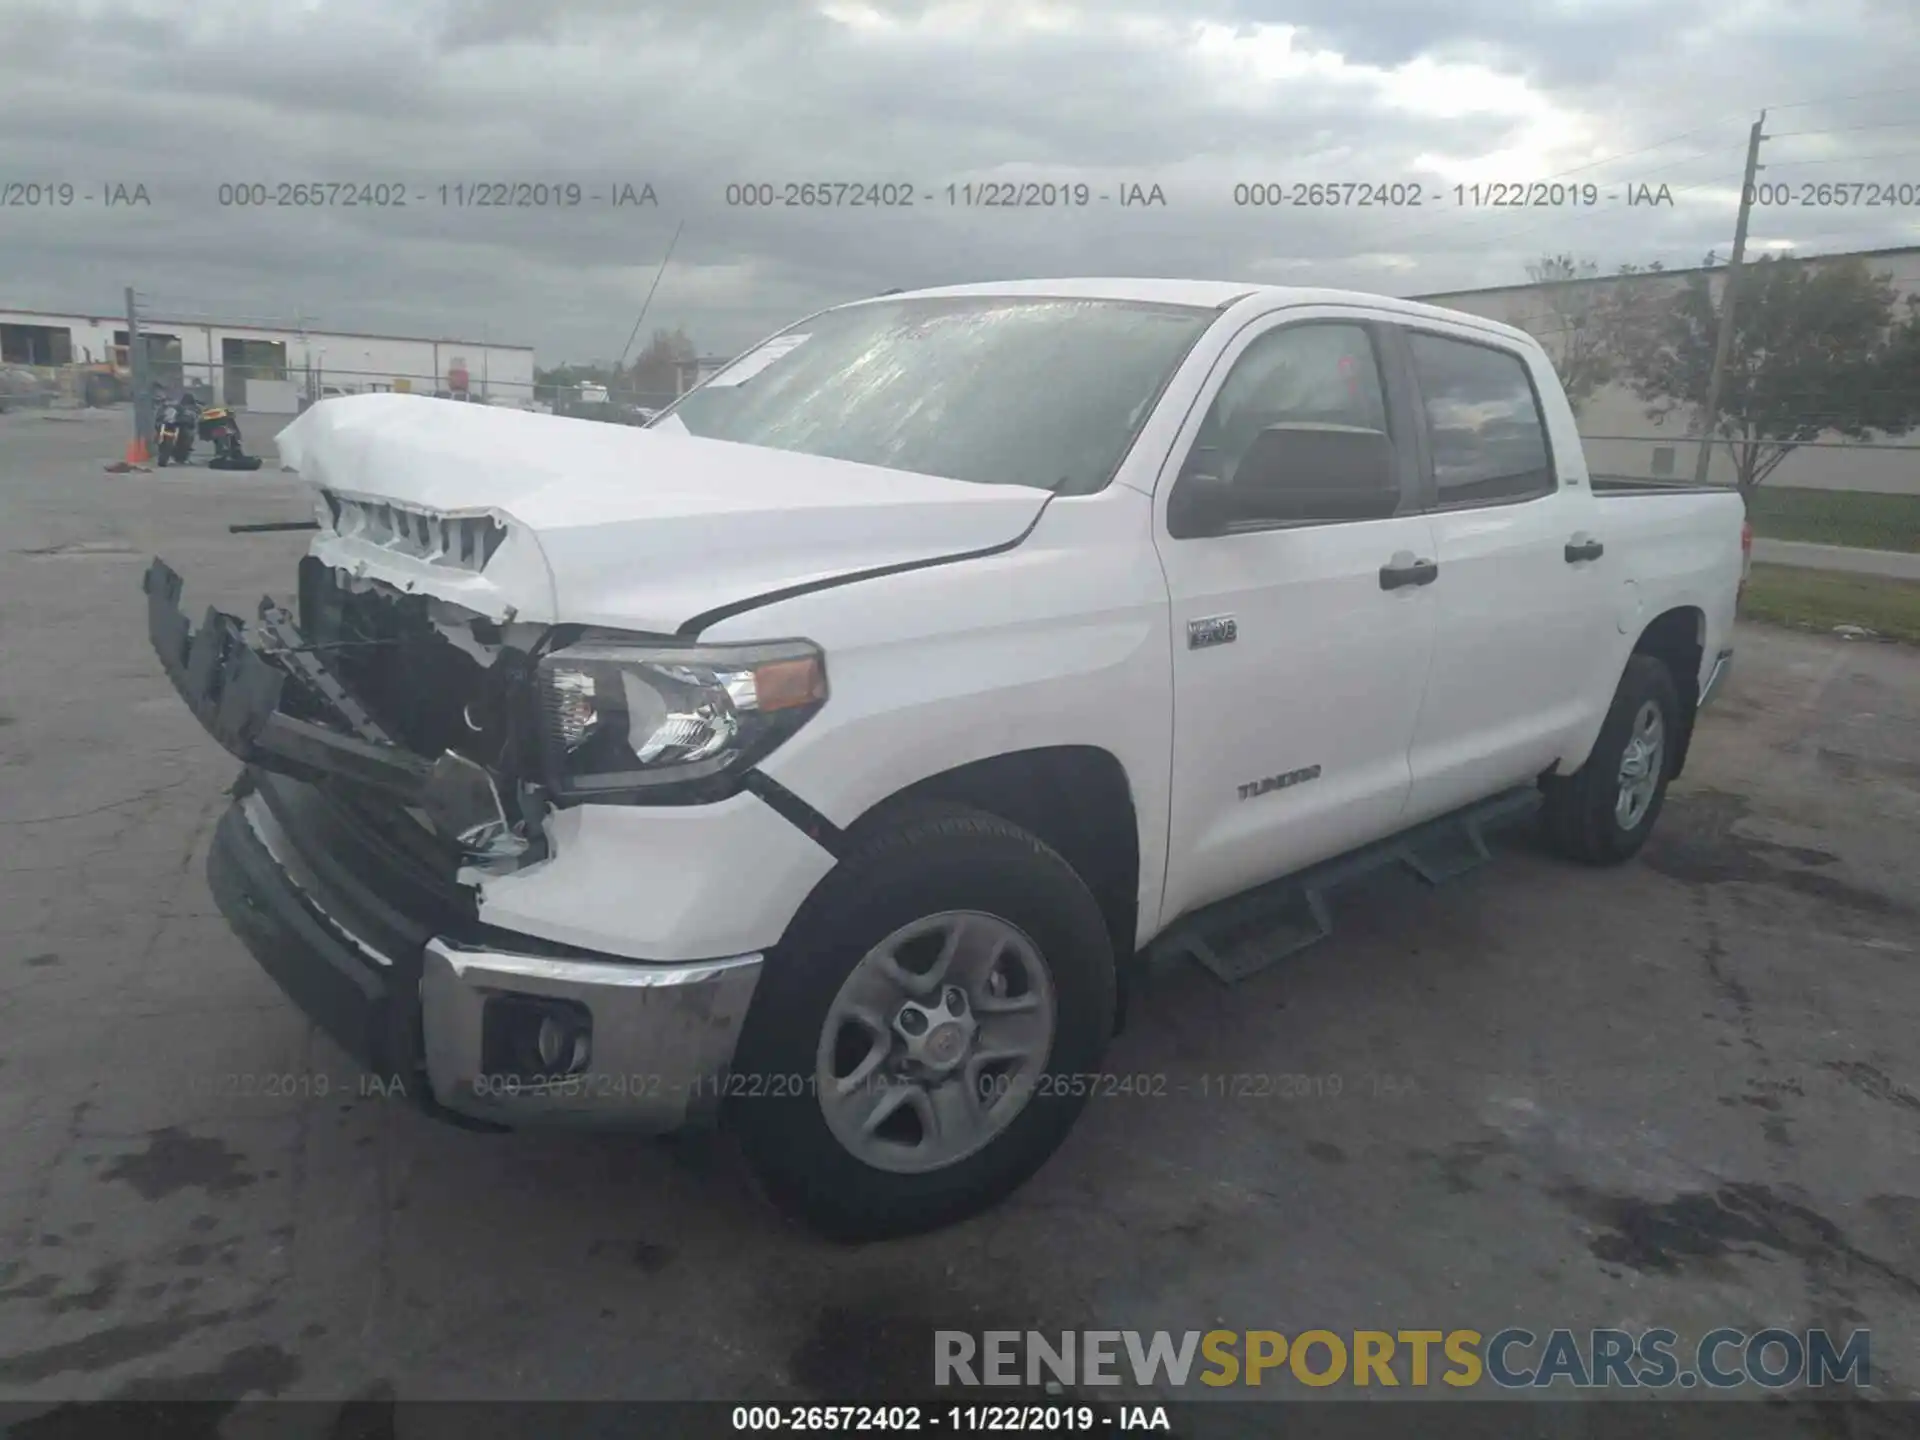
(641, 720)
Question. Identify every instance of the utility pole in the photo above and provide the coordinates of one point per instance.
(137, 369)
(1723, 341)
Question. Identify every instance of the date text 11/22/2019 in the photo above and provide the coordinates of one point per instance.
(457, 195)
(1041, 1419)
(971, 195)
(1414, 195)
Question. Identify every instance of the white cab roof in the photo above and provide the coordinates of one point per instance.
(1208, 294)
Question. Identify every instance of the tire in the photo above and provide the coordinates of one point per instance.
(1583, 816)
(940, 861)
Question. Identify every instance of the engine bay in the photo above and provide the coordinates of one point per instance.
(436, 677)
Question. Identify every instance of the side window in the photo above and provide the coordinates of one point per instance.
(1300, 374)
(1311, 375)
(1489, 440)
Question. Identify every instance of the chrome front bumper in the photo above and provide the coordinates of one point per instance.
(1716, 677)
(660, 1037)
(661, 1041)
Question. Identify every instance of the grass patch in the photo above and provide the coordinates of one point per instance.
(1822, 599)
(1837, 517)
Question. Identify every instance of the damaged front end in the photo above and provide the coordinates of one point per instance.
(406, 701)
(389, 740)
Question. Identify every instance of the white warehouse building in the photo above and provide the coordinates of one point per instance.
(269, 369)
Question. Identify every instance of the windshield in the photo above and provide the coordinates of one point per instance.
(1042, 392)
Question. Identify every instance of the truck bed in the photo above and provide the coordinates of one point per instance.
(1637, 485)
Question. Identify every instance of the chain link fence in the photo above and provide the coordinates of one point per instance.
(259, 388)
(62, 387)
(621, 405)
(1888, 467)
(1883, 467)
(289, 390)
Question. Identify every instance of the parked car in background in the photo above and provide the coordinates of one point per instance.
(822, 759)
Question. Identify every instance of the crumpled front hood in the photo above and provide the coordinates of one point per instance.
(617, 526)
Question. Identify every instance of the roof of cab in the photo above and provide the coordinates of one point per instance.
(1206, 294)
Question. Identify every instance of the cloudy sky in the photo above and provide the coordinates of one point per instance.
(1193, 96)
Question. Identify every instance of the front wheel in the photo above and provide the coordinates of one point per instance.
(1603, 812)
(927, 1032)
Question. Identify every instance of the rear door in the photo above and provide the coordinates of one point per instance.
(1298, 666)
(1524, 600)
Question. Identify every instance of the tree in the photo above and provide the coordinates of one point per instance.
(1569, 326)
(1894, 409)
(1816, 348)
(652, 379)
(656, 369)
(1587, 324)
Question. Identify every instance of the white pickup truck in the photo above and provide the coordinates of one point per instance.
(825, 757)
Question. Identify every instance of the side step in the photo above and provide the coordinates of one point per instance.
(1244, 934)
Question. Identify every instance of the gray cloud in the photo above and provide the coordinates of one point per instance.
(1192, 97)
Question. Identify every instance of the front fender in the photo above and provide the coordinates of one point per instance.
(1060, 642)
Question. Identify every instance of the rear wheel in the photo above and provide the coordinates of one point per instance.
(1603, 812)
(924, 1037)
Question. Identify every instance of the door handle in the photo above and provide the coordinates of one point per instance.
(1583, 547)
(1404, 570)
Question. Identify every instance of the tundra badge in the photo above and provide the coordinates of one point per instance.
(1279, 782)
(1213, 630)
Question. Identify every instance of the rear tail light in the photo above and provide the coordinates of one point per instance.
(1746, 555)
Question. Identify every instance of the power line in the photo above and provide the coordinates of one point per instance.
(1630, 154)
(1554, 214)
(1843, 99)
(1458, 223)
(1842, 160)
(1680, 276)
(1845, 129)
(1451, 226)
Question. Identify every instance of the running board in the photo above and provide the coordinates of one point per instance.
(1240, 936)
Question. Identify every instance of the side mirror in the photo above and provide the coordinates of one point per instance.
(1317, 472)
(1202, 504)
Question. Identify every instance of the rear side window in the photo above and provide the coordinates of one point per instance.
(1489, 439)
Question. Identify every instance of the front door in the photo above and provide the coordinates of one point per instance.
(1301, 646)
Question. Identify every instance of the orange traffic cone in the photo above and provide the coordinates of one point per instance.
(137, 457)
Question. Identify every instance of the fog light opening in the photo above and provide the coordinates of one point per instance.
(562, 1046)
(531, 1037)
